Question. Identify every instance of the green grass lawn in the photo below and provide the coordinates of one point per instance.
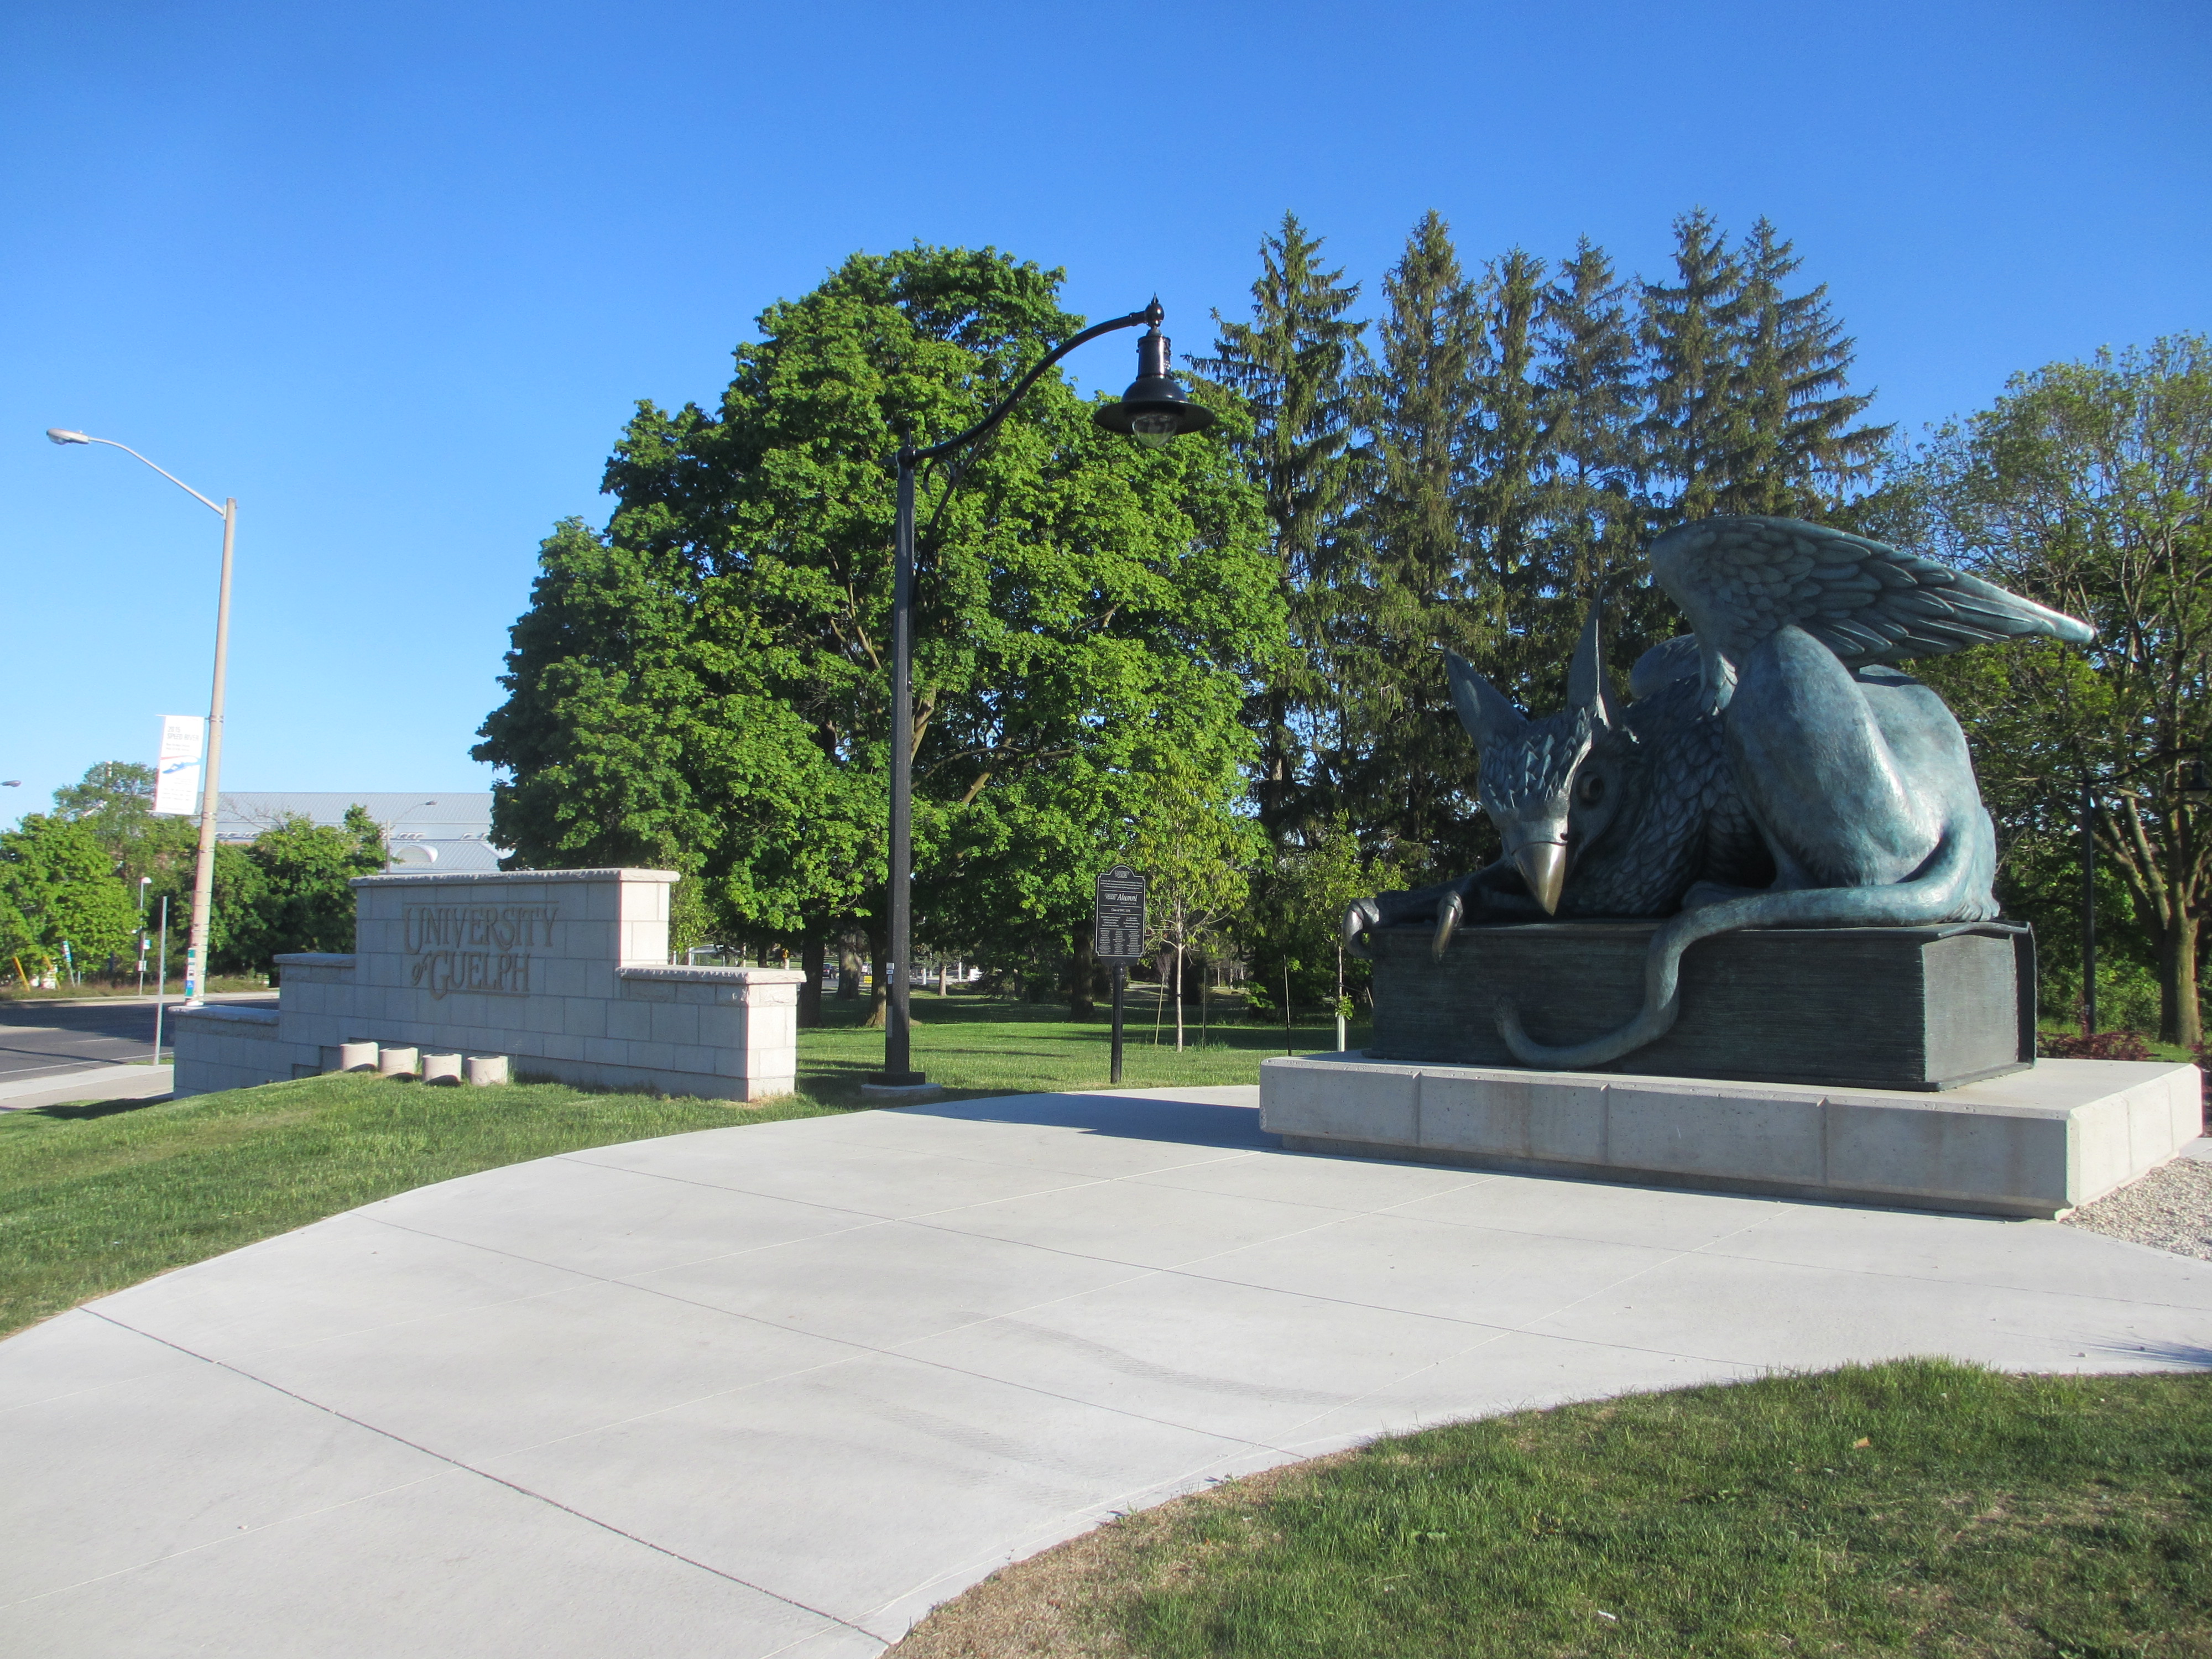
(1914, 1507)
(95, 990)
(972, 1046)
(97, 1196)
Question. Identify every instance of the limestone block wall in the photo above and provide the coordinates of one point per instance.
(565, 971)
(226, 1047)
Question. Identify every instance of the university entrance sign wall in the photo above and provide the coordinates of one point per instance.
(563, 971)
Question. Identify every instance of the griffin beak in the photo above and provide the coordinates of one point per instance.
(1543, 865)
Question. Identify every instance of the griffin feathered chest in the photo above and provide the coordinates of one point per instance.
(1681, 820)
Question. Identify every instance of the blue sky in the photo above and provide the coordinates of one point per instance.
(393, 274)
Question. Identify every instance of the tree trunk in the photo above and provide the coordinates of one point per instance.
(810, 991)
(1178, 985)
(879, 1002)
(1085, 949)
(848, 969)
(2179, 1017)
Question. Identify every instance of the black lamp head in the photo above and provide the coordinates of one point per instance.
(1154, 407)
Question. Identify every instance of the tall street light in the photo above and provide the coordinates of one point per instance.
(203, 876)
(1153, 410)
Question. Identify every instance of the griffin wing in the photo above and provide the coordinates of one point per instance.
(1741, 579)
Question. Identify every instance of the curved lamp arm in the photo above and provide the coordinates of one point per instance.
(62, 435)
(1151, 314)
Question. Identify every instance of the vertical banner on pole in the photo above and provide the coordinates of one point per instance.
(177, 773)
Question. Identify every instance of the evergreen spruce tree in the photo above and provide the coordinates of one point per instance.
(1693, 338)
(1593, 508)
(1798, 449)
(1512, 444)
(1294, 364)
(1407, 773)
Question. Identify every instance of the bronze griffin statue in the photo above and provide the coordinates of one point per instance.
(1774, 768)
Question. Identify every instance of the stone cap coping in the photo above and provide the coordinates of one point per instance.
(238, 1016)
(496, 878)
(314, 959)
(1627, 926)
(718, 975)
(2046, 1087)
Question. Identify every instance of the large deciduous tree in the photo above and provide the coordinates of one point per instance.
(2088, 486)
(706, 683)
(59, 889)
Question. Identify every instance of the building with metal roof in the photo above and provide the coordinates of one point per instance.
(449, 832)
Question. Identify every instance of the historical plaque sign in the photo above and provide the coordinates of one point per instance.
(1118, 924)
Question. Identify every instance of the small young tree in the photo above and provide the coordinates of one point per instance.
(1195, 850)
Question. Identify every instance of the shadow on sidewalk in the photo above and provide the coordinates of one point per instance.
(1191, 1117)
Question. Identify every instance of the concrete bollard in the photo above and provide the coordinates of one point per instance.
(442, 1068)
(396, 1062)
(487, 1068)
(356, 1056)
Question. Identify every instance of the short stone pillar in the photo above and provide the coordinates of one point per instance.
(484, 1070)
(442, 1068)
(356, 1057)
(393, 1061)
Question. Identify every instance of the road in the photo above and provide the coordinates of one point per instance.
(38, 1039)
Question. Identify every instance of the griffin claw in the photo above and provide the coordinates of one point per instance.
(1361, 915)
(1448, 918)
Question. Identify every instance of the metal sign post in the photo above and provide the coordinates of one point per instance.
(1117, 937)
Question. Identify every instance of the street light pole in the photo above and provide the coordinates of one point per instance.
(211, 784)
(1153, 410)
(2088, 908)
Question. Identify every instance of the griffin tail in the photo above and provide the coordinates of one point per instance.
(1962, 865)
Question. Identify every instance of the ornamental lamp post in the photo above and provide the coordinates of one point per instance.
(1154, 409)
(203, 874)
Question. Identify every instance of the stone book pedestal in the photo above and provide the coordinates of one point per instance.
(1874, 1064)
(1865, 1007)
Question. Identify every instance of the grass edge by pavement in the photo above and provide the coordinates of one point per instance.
(98, 1195)
(104, 1194)
(1919, 1506)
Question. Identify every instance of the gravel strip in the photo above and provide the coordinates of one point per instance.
(2171, 1207)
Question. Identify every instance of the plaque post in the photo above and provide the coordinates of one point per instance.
(1117, 937)
(1120, 985)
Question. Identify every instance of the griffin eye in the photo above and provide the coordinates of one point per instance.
(1590, 788)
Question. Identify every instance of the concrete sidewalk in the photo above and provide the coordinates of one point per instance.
(89, 1083)
(780, 1389)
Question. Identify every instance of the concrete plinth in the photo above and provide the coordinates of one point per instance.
(2033, 1143)
(900, 1093)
